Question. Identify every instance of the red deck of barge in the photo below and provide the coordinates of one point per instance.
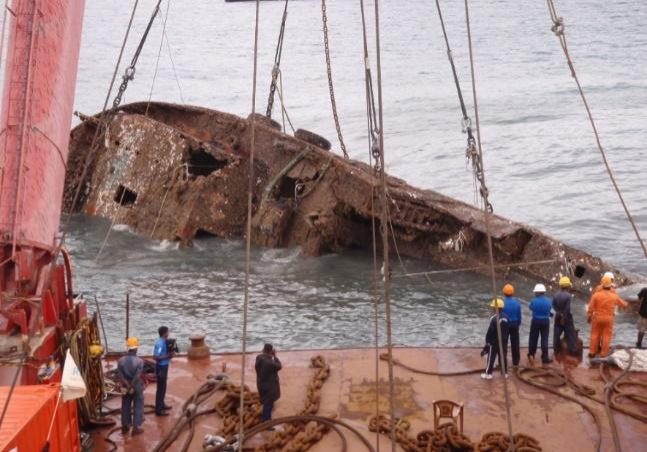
(349, 395)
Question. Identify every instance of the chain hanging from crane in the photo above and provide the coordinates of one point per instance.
(330, 84)
(471, 152)
(277, 62)
(106, 115)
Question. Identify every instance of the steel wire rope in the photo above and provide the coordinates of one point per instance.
(486, 213)
(170, 57)
(248, 236)
(384, 221)
(475, 268)
(129, 75)
(558, 28)
(159, 53)
(370, 127)
(333, 102)
(277, 62)
(97, 133)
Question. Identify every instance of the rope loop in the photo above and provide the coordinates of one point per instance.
(466, 124)
(558, 26)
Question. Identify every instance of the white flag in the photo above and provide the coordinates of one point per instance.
(72, 382)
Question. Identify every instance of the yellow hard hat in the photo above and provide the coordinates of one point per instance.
(565, 281)
(96, 350)
(607, 281)
(497, 303)
(132, 342)
(508, 289)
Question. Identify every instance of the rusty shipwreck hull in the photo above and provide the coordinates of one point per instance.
(174, 172)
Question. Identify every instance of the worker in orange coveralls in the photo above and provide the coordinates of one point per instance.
(601, 314)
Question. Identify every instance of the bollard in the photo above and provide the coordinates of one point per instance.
(198, 349)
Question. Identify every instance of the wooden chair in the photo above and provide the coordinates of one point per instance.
(448, 409)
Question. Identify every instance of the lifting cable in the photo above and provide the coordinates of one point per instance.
(470, 151)
(478, 155)
(384, 222)
(558, 28)
(129, 75)
(333, 103)
(277, 62)
(372, 138)
(106, 115)
(248, 235)
(159, 53)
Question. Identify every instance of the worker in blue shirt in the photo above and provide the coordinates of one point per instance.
(540, 324)
(162, 357)
(512, 310)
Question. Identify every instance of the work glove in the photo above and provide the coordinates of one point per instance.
(484, 350)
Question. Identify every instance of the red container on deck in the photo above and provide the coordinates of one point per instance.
(28, 418)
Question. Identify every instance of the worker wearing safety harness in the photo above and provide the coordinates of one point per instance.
(540, 324)
(130, 369)
(512, 310)
(564, 318)
(601, 315)
(491, 348)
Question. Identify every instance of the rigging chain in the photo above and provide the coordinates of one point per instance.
(277, 62)
(129, 73)
(471, 151)
(330, 84)
(105, 116)
(558, 28)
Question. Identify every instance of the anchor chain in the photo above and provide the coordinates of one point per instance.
(330, 84)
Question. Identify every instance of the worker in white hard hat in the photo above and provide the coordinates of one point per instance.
(607, 275)
(564, 318)
(540, 306)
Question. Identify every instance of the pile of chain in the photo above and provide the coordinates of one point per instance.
(227, 408)
(449, 439)
(297, 436)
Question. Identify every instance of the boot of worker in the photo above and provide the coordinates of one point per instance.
(594, 344)
(606, 335)
(639, 343)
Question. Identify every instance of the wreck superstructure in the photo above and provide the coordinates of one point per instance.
(174, 172)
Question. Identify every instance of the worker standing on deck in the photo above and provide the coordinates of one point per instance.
(601, 315)
(130, 368)
(564, 318)
(267, 379)
(512, 310)
(642, 316)
(491, 348)
(540, 324)
(162, 356)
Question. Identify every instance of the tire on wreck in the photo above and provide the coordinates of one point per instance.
(265, 121)
(312, 138)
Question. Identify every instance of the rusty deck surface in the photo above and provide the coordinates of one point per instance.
(349, 395)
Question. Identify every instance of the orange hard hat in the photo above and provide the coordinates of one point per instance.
(508, 289)
(607, 281)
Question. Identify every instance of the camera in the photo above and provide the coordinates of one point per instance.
(171, 346)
